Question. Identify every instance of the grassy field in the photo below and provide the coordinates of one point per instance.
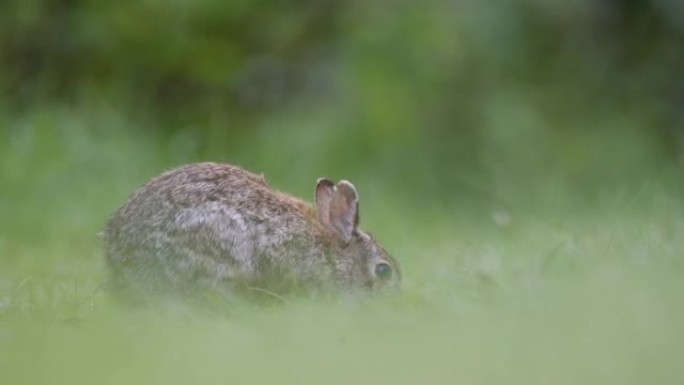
(562, 293)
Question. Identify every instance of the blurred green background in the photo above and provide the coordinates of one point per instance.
(522, 159)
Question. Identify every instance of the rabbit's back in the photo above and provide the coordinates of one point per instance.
(212, 224)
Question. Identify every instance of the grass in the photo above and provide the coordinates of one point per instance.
(560, 296)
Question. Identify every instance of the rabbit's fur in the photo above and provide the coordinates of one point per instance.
(217, 226)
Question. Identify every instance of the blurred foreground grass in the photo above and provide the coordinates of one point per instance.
(503, 293)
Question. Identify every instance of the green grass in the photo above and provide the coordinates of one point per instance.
(557, 295)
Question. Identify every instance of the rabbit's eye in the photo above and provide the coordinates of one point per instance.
(383, 271)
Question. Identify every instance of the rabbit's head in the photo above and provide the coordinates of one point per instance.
(360, 261)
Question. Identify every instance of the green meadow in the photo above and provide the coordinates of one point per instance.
(556, 290)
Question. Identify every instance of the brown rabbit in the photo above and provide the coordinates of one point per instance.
(217, 226)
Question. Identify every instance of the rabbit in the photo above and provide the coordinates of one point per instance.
(218, 226)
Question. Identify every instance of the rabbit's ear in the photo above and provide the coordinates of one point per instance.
(344, 210)
(325, 188)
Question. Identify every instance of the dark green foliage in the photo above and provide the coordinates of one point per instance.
(191, 59)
